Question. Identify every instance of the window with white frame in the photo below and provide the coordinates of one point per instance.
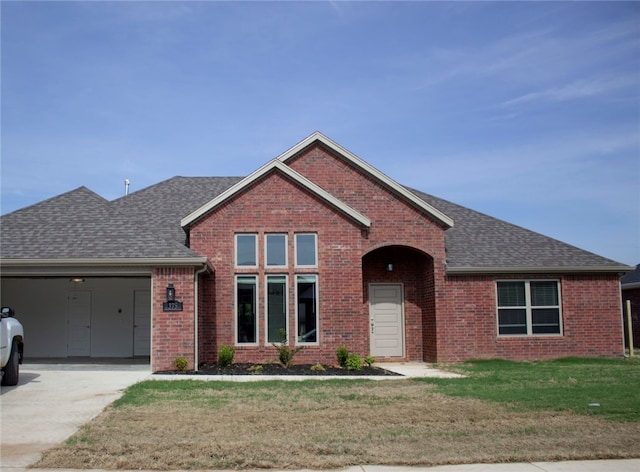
(246, 309)
(529, 307)
(307, 309)
(276, 250)
(276, 306)
(306, 250)
(246, 250)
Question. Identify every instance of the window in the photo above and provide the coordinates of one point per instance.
(307, 308)
(306, 250)
(276, 307)
(276, 250)
(528, 307)
(246, 309)
(246, 245)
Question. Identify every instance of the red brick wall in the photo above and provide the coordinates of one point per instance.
(394, 223)
(172, 333)
(590, 318)
(446, 318)
(277, 205)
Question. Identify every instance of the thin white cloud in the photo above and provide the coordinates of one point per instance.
(574, 90)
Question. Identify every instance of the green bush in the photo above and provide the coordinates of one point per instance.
(354, 362)
(180, 363)
(369, 360)
(226, 355)
(342, 353)
(285, 353)
(318, 368)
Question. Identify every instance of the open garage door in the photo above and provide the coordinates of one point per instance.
(98, 317)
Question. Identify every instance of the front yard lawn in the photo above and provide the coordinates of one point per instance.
(504, 411)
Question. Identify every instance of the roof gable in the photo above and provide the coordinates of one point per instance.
(276, 166)
(368, 169)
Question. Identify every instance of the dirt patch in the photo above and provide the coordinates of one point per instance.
(328, 424)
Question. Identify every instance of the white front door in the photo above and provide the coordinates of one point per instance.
(142, 323)
(79, 324)
(386, 320)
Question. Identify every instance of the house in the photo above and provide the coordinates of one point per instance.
(631, 293)
(317, 243)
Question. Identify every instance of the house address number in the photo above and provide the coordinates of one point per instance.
(172, 306)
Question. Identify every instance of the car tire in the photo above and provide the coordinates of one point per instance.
(12, 369)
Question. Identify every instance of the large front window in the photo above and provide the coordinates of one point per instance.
(276, 288)
(529, 307)
(246, 309)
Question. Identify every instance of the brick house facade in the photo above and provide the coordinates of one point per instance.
(327, 248)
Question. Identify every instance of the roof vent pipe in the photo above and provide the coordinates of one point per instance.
(126, 187)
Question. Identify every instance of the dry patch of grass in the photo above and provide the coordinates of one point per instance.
(327, 424)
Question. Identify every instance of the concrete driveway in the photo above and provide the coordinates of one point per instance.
(52, 400)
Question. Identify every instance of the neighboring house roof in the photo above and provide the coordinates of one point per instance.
(631, 280)
(277, 166)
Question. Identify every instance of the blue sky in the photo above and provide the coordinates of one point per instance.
(527, 111)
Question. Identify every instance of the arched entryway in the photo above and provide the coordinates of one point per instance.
(398, 291)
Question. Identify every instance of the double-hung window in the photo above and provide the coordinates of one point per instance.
(529, 307)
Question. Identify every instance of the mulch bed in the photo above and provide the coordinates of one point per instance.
(277, 369)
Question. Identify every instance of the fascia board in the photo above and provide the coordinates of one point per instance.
(141, 267)
(300, 179)
(631, 286)
(536, 270)
(355, 160)
(104, 262)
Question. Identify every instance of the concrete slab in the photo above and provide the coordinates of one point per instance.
(417, 369)
(52, 401)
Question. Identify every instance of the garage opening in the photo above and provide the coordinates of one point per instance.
(82, 317)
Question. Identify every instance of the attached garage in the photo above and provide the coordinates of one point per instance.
(82, 316)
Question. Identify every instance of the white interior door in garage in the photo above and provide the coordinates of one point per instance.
(142, 323)
(79, 324)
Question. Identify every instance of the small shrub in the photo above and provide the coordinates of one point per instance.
(285, 353)
(318, 368)
(180, 363)
(354, 362)
(226, 355)
(369, 360)
(342, 354)
(255, 369)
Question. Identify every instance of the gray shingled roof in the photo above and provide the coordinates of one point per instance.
(632, 277)
(146, 224)
(481, 241)
(82, 225)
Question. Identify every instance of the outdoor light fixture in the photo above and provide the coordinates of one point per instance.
(389, 267)
(171, 293)
(77, 280)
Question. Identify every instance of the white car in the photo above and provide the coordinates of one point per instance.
(11, 346)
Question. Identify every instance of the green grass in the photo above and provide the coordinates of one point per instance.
(569, 384)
